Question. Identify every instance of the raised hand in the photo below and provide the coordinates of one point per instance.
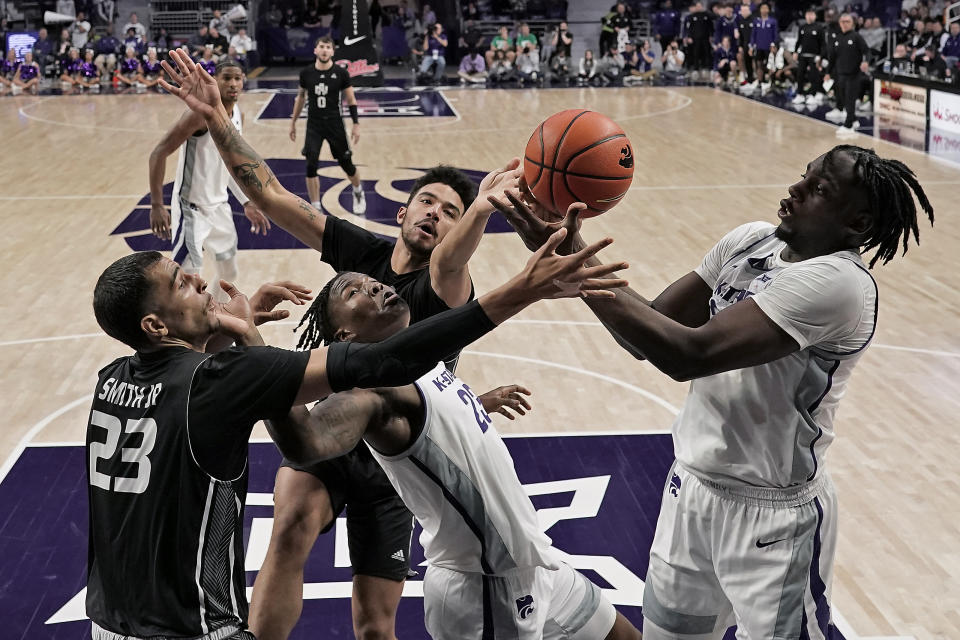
(534, 223)
(235, 317)
(271, 294)
(197, 88)
(548, 275)
(501, 399)
(500, 183)
(258, 222)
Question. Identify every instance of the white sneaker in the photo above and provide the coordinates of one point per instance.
(844, 132)
(15, 90)
(827, 85)
(799, 99)
(359, 202)
(865, 107)
(835, 114)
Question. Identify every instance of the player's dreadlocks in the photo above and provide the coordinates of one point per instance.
(320, 329)
(888, 184)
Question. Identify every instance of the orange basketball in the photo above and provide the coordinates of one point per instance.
(578, 156)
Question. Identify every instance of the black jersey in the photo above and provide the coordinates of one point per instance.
(850, 51)
(811, 41)
(323, 93)
(167, 452)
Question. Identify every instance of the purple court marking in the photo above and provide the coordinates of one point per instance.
(43, 536)
(373, 103)
(290, 172)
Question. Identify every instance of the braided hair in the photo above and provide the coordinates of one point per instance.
(320, 329)
(888, 184)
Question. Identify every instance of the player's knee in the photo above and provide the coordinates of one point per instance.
(346, 163)
(379, 627)
(312, 169)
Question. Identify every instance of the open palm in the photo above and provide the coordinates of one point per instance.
(196, 87)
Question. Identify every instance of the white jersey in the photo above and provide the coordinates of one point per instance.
(202, 178)
(770, 425)
(459, 481)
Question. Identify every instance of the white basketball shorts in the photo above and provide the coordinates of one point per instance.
(198, 227)
(759, 558)
(526, 604)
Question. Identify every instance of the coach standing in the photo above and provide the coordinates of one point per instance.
(847, 61)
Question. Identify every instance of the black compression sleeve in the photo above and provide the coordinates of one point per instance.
(354, 114)
(403, 358)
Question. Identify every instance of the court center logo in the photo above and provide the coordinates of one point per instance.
(335, 192)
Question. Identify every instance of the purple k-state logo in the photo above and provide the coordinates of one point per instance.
(525, 606)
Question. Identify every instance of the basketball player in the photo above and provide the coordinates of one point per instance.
(491, 571)
(431, 274)
(201, 214)
(768, 328)
(168, 430)
(322, 82)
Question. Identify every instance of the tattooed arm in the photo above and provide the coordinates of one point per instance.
(200, 92)
(331, 429)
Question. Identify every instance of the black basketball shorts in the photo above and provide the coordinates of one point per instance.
(379, 525)
(334, 133)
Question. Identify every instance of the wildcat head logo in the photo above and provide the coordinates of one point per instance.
(626, 158)
(135, 227)
(675, 485)
(525, 606)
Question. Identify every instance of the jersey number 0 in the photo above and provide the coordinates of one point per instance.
(132, 455)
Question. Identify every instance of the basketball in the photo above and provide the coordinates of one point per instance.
(578, 156)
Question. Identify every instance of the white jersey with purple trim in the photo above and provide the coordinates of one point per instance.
(202, 178)
(459, 481)
(770, 425)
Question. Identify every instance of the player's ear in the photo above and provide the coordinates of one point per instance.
(153, 326)
(344, 335)
(401, 214)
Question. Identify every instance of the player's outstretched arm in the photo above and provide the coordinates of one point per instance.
(404, 357)
(199, 91)
(449, 275)
(188, 123)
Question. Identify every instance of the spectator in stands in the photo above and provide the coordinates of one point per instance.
(312, 18)
(135, 24)
(632, 65)
(765, 32)
(501, 67)
(919, 38)
(742, 35)
(133, 39)
(43, 50)
(501, 42)
(89, 76)
(471, 40)
(672, 60)
(874, 35)
(27, 77)
(428, 17)
(472, 12)
(784, 72)
(610, 68)
(901, 62)
(107, 49)
(473, 68)
(588, 69)
(725, 63)
(607, 33)
(931, 64)
(207, 60)
(666, 23)
(219, 22)
(951, 48)
(8, 69)
(525, 38)
(560, 67)
(810, 48)
(80, 31)
(434, 52)
(242, 45)
(66, 7)
(70, 69)
(376, 13)
(937, 34)
(198, 41)
(528, 62)
(622, 25)
(128, 70)
(725, 25)
(698, 30)
(407, 19)
(219, 42)
(106, 12)
(150, 69)
(274, 15)
(63, 47)
(291, 19)
(561, 40)
(161, 42)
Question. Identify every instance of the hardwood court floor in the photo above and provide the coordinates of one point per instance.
(73, 167)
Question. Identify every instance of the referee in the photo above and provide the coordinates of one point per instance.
(323, 81)
(847, 61)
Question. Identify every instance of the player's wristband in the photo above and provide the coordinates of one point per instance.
(406, 356)
(354, 114)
